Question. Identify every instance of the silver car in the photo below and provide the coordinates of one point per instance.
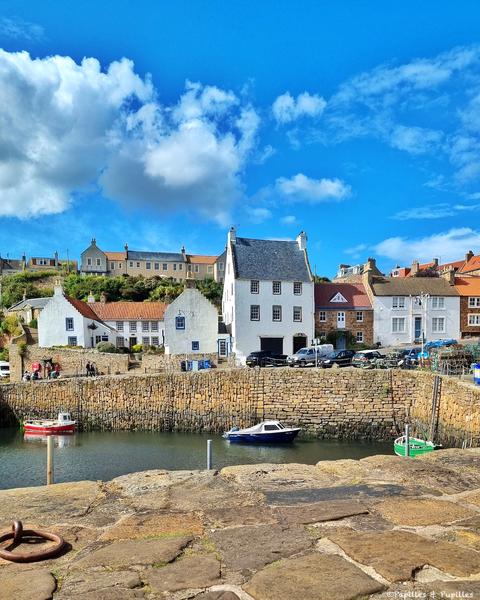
(306, 356)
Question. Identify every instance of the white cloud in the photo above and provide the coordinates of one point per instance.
(434, 211)
(286, 108)
(259, 215)
(314, 190)
(289, 220)
(448, 246)
(67, 127)
(356, 251)
(18, 29)
(415, 140)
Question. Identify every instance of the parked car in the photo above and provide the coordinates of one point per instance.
(310, 356)
(339, 358)
(366, 358)
(265, 358)
(4, 369)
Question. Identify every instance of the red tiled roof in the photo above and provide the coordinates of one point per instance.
(472, 265)
(468, 286)
(131, 311)
(83, 308)
(115, 255)
(354, 294)
(200, 259)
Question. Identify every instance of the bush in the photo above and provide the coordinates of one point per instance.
(4, 354)
(106, 347)
(22, 348)
(11, 326)
(33, 324)
(137, 348)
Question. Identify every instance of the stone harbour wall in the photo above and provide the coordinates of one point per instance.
(344, 403)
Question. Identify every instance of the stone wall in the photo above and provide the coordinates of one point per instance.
(158, 363)
(351, 323)
(346, 403)
(72, 362)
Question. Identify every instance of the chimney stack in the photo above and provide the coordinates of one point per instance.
(414, 268)
(449, 275)
(91, 298)
(302, 240)
(190, 281)
(103, 298)
(126, 251)
(435, 262)
(469, 255)
(58, 288)
(370, 265)
(232, 236)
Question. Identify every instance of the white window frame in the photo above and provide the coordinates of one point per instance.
(297, 288)
(396, 321)
(132, 326)
(119, 325)
(69, 321)
(476, 319)
(359, 337)
(254, 312)
(99, 262)
(145, 341)
(164, 266)
(145, 326)
(155, 341)
(398, 302)
(276, 313)
(72, 340)
(254, 286)
(473, 302)
(438, 303)
(435, 324)
(322, 316)
(89, 262)
(154, 326)
(276, 288)
(359, 316)
(297, 314)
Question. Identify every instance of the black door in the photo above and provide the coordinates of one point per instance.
(299, 341)
(272, 344)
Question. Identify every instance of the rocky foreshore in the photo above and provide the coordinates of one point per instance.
(381, 527)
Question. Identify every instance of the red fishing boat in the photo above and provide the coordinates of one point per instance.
(63, 424)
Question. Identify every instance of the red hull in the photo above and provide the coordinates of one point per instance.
(49, 429)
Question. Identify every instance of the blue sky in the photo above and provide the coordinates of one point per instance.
(160, 124)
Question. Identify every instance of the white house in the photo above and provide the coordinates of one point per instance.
(134, 322)
(191, 325)
(408, 308)
(268, 295)
(65, 321)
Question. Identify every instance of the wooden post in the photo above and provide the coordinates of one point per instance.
(50, 459)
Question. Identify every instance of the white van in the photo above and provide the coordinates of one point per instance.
(4, 369)
(309, 356)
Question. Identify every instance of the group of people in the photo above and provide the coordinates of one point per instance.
(52, 371)
(91, 369)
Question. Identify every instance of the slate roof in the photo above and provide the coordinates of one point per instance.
(131, 311)
(354, 294)
(270, 260)
(159, 256)
(33, 302)
(412, 286)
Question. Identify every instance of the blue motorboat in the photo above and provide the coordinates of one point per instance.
(266, 432)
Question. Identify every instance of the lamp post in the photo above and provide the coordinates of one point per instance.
(422, 300)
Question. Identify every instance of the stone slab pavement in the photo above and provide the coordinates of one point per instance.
(382, 527)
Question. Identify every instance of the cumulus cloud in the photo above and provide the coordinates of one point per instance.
(449, 246)
(287, 108)
(314, 190)
(66, 128)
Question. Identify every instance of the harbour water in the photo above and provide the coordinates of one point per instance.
(104, 455)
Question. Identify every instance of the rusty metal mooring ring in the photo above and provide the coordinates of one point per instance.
(16, 535)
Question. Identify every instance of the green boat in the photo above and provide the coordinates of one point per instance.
(415, 445)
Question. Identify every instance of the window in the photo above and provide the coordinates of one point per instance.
(359, 316)
(438, 325)
(254, 312)
(154, 326)
(138, 265)
(297, 314)
(154, 341)
(99, 262)
(359, 337)
(197, 268)
(156, 266)
(119, 265)
(89, 262)
(145, 326)
(398, 302)
(210, 269)
(145, 341)
(474, 320)
(276, 287)
(174, 266)
(119, 325)
(98, 339)
(179, 322)
(398, 325)
(254, 286)
(120, 342)
(195, 346)
(189, 268)
(297, 288)
(112, 265)
(322, 316)
(165, 266)
(72, 341)
(69, 324)
(438, 303)
(474, 302)
(221, 266)
(133, 326)
(104, 337)
(131, 264)
(180, 267)
(148, 265)
(276, 313)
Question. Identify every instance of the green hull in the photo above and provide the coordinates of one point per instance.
(416, 446)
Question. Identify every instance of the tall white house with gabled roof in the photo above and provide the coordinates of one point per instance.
(268, 295)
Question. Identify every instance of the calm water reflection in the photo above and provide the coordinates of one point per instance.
(104, 455)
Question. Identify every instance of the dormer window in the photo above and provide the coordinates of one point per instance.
(276, 287)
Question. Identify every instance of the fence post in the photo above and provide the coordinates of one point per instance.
(209, 455)
(50, 467)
